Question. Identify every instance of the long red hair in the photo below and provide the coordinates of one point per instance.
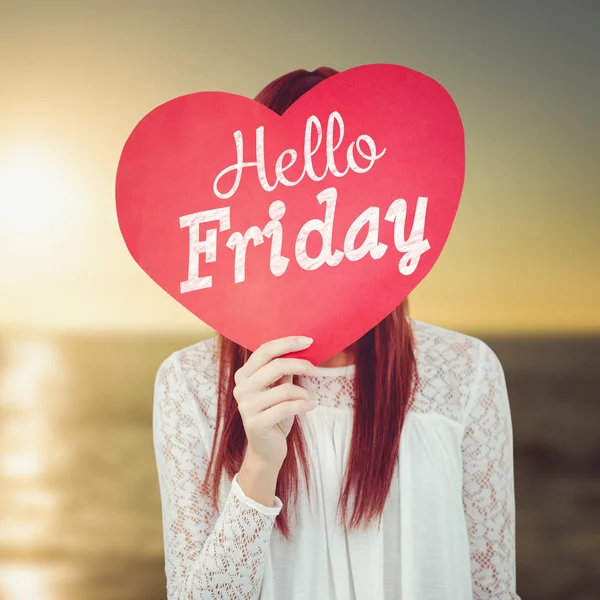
(385, 376)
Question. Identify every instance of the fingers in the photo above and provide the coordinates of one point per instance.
(259, 422)
(280, 393)
(249, 404)
(280, 370)
(270, 350)
(270, 417)
(277, 369)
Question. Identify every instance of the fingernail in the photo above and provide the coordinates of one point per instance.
(305, 341)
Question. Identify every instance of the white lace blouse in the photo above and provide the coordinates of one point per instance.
(447, 530)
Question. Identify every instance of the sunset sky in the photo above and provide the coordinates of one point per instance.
(76, 78)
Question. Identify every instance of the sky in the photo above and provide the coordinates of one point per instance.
(77, 77)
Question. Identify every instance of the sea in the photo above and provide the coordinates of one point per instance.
(80, 511)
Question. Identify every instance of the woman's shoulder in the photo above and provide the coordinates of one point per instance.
(194, 371)
(201, 354)
(434, 340)
(449, 365)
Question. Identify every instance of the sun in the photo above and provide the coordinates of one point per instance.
(36, 197)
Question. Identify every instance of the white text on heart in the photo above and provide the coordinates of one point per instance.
(411, 247)
(331, 146)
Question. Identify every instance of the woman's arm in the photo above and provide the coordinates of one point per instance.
(488, 482)
(207, 555)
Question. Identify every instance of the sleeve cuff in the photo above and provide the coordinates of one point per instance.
(265, 510)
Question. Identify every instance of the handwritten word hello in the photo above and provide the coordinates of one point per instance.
(309, 151)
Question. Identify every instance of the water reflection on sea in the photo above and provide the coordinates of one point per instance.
(79, 504)
(79, 510)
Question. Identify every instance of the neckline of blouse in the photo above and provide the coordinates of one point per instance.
(346, 370)
(335, 371)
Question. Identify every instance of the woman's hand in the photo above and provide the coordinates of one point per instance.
(267, 399)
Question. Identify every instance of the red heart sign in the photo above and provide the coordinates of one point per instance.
(317, 223)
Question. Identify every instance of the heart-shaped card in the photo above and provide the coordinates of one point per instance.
(318, 222)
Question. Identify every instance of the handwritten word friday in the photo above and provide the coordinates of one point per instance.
(411, 247)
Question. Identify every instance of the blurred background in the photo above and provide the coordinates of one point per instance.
(83, 330)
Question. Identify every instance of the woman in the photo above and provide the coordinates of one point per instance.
(384, 473)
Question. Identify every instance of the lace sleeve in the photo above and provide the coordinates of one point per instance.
(488, 484)
(208, 556)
